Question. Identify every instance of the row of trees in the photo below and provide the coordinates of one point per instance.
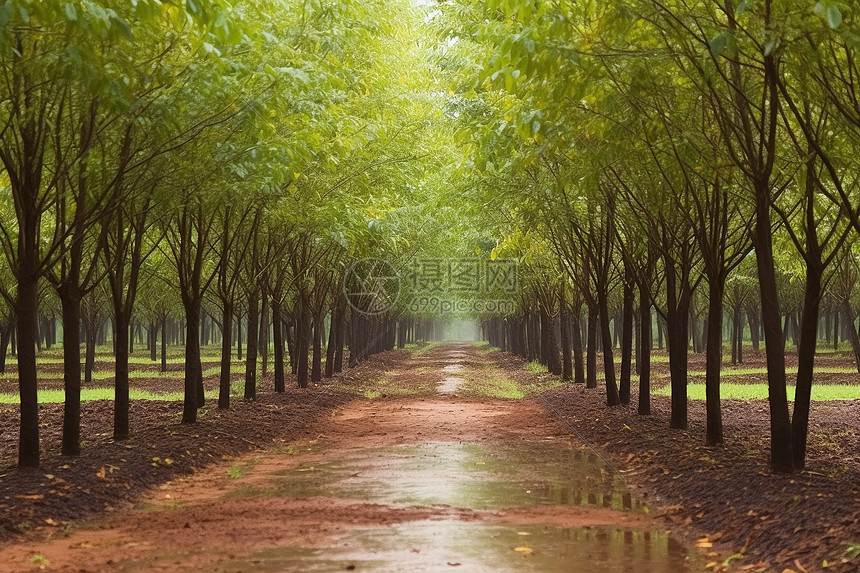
(653, 150)
(230, 159)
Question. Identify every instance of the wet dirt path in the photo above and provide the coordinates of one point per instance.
(434, 483)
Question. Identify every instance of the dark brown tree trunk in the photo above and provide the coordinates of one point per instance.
(713, 363)
(263, 340)
(576, 343)
(340, 335)
(70, 299)
(226, 357)
(781, 458)
(626, 341)
(591, 351)
(612, 398)
(330, 347)
(303, 341)
(644, 406)
(316, 367)
(164, 343)
(28, 306)
(5, 337)
(251, 350)
(278, 338)
(193, 369)
(678, 311)
(564, 331)
(549, 343)
(121, 390)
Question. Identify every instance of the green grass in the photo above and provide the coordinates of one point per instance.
(58, 396)
(759, 392)
(536, 367)
(418, 350)
(496, 387)
(132, 374)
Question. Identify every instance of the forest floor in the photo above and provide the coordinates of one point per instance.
(213, 494)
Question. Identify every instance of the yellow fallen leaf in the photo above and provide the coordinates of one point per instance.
(168, 461)
(789, 571)
(50, 521)
(101, 473)
(524, 550)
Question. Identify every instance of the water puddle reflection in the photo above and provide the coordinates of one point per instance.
(472, 476)
(447, 546)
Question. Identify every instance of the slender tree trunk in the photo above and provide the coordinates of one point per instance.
(713, 362)
(121, 390)
(781, 458)
(644, 406)
(591, 351)
(263, 340)
(193, 369)
(612, 398)
(564, 331)
(340, 336)
(316, 367)
(303, 342)
(28, 305)
(330, 347)
(226, 357)
(70, 300)
(251, 351)
(164, 343)
(5, 337)
(626, 341)
(278, 335)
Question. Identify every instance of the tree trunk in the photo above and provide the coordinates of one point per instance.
(591, 351)
(226, 357)
(278, 336)
(263, 340)
(121, 390)
(329, 350)
(303, 342)
(316, 365)
(644, 406)
(193, 369)
(28, 306)
(781, 458)
(251, 350)
(70, 299)
(713, 362)
(626, 341)
(564, 331)
(164, 343)
(612, 398)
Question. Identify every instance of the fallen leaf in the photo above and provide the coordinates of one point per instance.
(101, 473)
(51, 522)
(524, 550)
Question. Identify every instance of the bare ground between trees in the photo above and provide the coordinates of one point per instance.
(725, 494)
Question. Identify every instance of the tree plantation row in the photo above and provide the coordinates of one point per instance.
(693, 159)
(206, 161)
(235, 160)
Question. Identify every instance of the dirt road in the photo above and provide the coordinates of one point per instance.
(448, 481)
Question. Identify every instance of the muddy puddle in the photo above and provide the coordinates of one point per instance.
(500, 479)
(458, 546)
(475, 476)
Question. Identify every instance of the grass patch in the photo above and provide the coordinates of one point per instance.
(536, 367)
(418, 350)
(759, 392)
(496, 387)
(58, 396)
